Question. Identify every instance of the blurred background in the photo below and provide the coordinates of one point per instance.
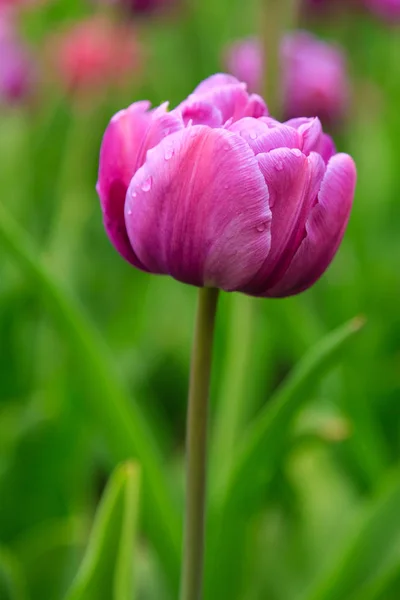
(94, 355)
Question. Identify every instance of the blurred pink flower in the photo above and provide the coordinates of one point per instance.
(17, 66)
(388, 9)
(217, 193)
(314, 74)
(95, 55)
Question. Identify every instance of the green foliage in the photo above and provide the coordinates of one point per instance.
(305, 421)
(107, 567)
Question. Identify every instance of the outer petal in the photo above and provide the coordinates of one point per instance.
(215, 81)
(129, 135)
(293, 181)
(324, 228)
(198, 209)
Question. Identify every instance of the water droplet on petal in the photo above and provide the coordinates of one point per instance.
(134, 194)
(227, 147)
(169, 154)
(226, 186)
(296, 152)
(129, 211)
(261, 227)
(279, 165)
(253, 135)
(146, 186)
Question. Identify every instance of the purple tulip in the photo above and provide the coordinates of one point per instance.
(217, 193)
(387, 9)
(314, 74)
(16, 65)
(315, 78)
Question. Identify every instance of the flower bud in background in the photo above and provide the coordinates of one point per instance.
(217, 193)
(387, 9)
(314, 74)
(95, 55)
(17, 68)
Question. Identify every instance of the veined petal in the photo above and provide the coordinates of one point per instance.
(293, 181)
(324, 228)
(198, 209)
(129, 135)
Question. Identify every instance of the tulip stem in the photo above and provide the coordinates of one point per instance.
(196, 445)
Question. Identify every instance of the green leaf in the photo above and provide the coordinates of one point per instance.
(365, 564)
(106, 569)
(237, 498)
(121, 420)
(12, 581)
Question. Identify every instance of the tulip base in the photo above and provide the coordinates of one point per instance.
(196, 446)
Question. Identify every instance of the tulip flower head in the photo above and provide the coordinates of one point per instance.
(314, 74)
(217, 193)
(95, 54)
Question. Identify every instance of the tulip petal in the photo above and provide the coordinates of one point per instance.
(314, 138)
(324, 228)
(262, 138)
(198, 209)
(129, 135)
(200, 113)
(215, 81)
(293, 181)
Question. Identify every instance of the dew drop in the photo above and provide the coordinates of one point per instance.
(253, 135)
(226, 186)
(146, 186)
(134, 194)
(129, 211)
(279, 165)
(227, 147)
(296, 152)
(169, 154)
(261, 227)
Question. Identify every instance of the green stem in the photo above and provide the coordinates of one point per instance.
(197, 417)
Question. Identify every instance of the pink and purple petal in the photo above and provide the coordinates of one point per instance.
(325, 227)
(198, 209)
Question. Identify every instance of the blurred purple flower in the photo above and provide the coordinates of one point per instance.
(315, 79)
(314, 74)
(387, 9)
(217, 193)
(17, 69)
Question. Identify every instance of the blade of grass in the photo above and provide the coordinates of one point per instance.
(374, 539)
(121, 420)
(106, 569)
